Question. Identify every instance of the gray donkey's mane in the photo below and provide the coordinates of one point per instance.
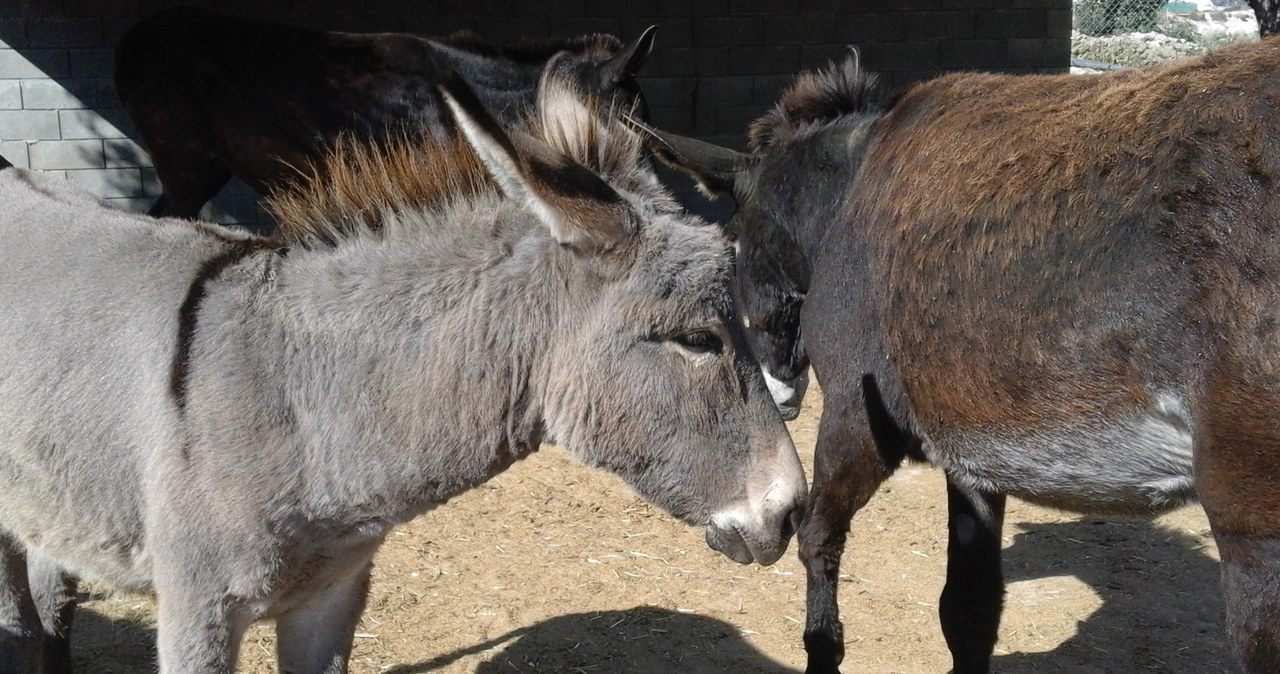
(360, 182)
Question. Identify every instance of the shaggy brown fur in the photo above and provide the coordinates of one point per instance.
(360, 182)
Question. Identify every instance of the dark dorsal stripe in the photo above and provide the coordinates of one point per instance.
(188, 313)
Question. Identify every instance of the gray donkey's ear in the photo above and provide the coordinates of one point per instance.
(579, 208)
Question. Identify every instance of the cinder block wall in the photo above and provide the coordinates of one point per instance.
(718, 64)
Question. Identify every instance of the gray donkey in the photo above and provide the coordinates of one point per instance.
(236, 423)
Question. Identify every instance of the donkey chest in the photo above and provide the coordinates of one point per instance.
(1122, 464)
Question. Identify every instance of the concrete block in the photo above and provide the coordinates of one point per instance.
(819, 55)
(764, 59)
(769, 8)
(439, 26)
(1052, 53)
(1012, 23)
(674, 62)
(67, 154)
(548, 7)
(727, 30)
(722, 91)
(698, 8)
(509, 30)
(734, 119)
(47, 95)
(673, 31)
(91, 62)
(712, 61)
(801, 28)
(80, 124)
(33, 63)
(862, 28)
(15, 151)
(101, 8)
(13, 30)
(131, 204)
(150, 182)
(29, 124)
(45, 32)
(108, 183)
(887, 6)
(767, 88)
(1042, 4)
(629, 9)
(570, 26)
(1058, 22)
(974, 54)
(917, 55)
(10, 94)
(670, 91)
(125, 153)
(941, 25)
(676, 119)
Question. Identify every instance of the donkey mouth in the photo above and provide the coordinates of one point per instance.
(787, 395)
(730, 542)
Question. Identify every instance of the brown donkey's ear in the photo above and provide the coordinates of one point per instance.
(579, 208)
(629, 58)
(718, 170)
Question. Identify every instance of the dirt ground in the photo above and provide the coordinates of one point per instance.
(556, 568)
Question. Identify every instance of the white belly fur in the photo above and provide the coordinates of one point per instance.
(1139, 465)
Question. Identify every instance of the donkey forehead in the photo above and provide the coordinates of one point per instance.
(683, 259)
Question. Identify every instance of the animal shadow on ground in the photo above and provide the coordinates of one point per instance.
(641, 640)
(1161, 603)
(106, 645)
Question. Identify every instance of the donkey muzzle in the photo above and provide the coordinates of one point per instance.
(758, 528)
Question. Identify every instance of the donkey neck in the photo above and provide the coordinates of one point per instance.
(822, 168)
(407, 365)
(504, 85)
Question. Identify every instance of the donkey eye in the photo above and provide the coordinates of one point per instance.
(700, 341)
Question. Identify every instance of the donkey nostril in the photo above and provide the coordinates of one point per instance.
(791, 523)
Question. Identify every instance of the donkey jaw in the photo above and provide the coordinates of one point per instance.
(758, 529)
(788, 395)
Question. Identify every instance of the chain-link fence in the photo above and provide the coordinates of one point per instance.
(1142, 32)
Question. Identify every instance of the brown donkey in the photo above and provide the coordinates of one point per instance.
(1062, 288)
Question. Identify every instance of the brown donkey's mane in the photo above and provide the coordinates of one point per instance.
(814, 98)
(360, 181)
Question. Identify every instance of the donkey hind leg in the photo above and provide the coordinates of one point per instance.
(973, 596)
(315, 638)
(54, 593)
(847, 470)
(20, 633)
(1251, 585)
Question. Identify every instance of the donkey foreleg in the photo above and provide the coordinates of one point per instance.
(20, 632)
(847, 470)
(54, 593)
(198, 627)
(973, 596)
(316, 637)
